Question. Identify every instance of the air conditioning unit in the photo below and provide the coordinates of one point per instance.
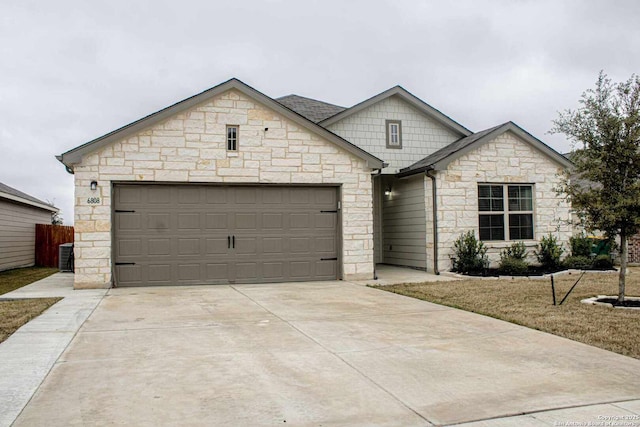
(66, 257)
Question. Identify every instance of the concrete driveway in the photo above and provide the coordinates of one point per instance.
(331, 353)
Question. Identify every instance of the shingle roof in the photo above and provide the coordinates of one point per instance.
(312, 109)
(4, 188)
(441, 158)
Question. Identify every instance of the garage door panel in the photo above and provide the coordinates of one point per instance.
(190, 271)
(272, 221)
(159, 195)
(246, 221)
(159, 247)
(273, 246)
(129, 273)
(216, 221)
(246, 271)
(216, 245)
(129, 221)
(246, 245)
(189, 221)
(158, 221)
(326, 269)
(218, 272)
(159, 273)
(129, 247)
(188, 247)
(185, 234)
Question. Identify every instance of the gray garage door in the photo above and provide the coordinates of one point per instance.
(207, 234)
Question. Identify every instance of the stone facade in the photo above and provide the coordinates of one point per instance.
(504, 160)
(190, 147)
(421, 135)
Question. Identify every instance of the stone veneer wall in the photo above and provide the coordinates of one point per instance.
(421, 135)
(506, 159)
(190, 147)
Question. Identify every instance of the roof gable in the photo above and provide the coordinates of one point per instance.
(312, 109)
(11, 193)
(408, 97)
(441, 158)
(74, 155)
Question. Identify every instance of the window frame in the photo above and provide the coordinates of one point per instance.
(229, 140)
(506, 212)
(388, 124)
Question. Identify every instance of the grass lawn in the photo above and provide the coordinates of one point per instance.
(15, 313)
(529, 303)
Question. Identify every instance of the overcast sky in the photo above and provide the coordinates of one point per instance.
(71, 71)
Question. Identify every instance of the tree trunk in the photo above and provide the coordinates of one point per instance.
(623, 265)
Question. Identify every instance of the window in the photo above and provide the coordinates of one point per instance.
(394, 133)
(232, 138)
(496, 219)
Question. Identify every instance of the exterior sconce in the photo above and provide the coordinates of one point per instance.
(94, 185)
(387, 191)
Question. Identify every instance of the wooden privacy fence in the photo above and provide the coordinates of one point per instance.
(48, 239)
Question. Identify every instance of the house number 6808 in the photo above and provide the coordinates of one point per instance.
(93, 200)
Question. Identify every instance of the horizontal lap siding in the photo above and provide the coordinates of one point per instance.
(404, 223)
(18, 233)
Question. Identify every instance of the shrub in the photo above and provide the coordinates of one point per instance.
(470, 254)
(513, 266)
(517, 251)
(603, 262)
(577, 262)
(580, 245)
(549, 253)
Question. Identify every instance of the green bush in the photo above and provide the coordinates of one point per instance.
(603, 262)
(513, 267)
(470, 254)
(549, 253)
(580, 245)
(517, 251)
(577, 262)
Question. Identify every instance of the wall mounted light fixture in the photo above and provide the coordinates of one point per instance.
(387, 191)
(94, 185)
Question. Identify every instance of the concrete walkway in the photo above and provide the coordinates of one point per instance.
(330, 353)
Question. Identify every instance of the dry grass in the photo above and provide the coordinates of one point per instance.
(14, 279)
(529, 303)
(15, 313)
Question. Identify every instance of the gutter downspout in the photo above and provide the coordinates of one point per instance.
(375, 175)
(435, 221)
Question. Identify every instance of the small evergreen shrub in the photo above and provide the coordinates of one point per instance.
(549, 253)
(603, 262)
(577, 262)
(470, 254)
(517, 250)
(580, 245)
(513, 267)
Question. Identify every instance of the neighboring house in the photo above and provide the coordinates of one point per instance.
(19, 214)
(232, 186)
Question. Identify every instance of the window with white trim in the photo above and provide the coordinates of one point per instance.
(394, 133)
(510, 221)
(232, 137)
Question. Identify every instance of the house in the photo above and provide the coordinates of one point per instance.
(232, 186)
(19, 214)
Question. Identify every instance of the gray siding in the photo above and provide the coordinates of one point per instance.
(18, 233)
(404, 222)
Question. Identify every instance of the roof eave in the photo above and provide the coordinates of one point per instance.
(24, 201)
(74, 156)
(416, 102)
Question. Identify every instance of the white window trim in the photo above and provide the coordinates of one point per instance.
(389, 134)
(505, 210)
(237, 138)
